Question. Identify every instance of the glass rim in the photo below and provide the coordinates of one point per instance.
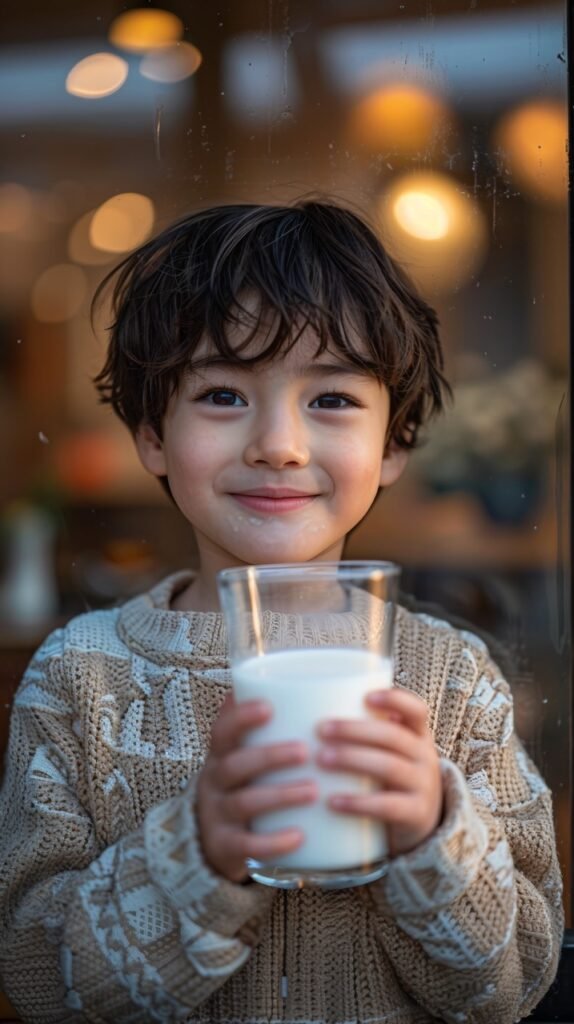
(294, 569)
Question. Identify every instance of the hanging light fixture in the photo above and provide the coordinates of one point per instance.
(144, 29)
(398, 118)
(96, 76)
(80, 249)
(434, 228)
(171, 63)
(122, 222)
(533, 139)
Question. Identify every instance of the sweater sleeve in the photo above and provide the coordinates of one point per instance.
(142, 930)
(472, 919)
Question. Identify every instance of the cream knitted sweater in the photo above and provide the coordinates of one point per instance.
(108, 911)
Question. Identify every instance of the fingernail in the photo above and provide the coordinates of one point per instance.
(378, 697)
(297, 750)
(308, 790)
(326, 728)
(328, 755)
(340, 802)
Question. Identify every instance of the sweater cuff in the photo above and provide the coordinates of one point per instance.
(437, 872)
(176, 865)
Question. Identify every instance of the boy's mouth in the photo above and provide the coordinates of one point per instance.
(274, 500)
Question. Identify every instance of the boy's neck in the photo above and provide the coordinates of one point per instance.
(195, 598)
(201, 594)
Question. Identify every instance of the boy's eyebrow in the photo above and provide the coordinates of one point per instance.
(311, 370)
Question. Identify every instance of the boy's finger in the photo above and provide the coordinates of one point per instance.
(244, 764)
(412, 709)
(234, 720)
(388, 770)
(373, 732)
(390, 808)
(264, 847)
(245, 804)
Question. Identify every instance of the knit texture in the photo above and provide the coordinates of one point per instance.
(108, 911)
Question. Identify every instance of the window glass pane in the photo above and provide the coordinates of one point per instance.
(446, 123)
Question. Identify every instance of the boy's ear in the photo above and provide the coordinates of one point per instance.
(150, 450)
(394, 461)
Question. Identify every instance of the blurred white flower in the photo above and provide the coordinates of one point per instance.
(504, 422)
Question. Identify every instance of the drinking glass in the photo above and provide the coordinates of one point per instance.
(313, 640)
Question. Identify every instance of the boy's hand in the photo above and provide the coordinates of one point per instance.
(227, 800)
(397, 751)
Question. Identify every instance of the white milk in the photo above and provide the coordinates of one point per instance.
(305, 686)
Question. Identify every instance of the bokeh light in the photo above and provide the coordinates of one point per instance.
(402, 119)
(86, 462)
(533, 140)
(97, 76)
(16, 208)
(122, 222)
(140, 30)
(58, 293)
(80, 249)
(436, 230)
(171, 63)
(421, 214)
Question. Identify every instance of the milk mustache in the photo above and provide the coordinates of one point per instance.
(304, 687)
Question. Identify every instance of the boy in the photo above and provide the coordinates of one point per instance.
(274, 366)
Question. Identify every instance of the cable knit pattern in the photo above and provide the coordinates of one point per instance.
(108, 911)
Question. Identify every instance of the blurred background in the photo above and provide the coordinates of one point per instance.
(446, 123)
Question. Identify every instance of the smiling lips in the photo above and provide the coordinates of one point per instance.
(274, 500)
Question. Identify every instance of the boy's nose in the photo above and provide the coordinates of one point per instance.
(278, 444)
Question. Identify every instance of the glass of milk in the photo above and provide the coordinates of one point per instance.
(313, 639)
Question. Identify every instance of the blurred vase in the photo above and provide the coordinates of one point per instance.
(29, 593)
(508, 497)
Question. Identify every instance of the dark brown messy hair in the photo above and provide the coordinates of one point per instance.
(312, 263)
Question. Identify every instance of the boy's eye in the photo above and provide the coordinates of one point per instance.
(221, 396)
(333, 400)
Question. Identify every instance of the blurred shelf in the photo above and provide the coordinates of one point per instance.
(452, 532)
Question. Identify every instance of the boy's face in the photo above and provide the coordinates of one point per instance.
(291, 423)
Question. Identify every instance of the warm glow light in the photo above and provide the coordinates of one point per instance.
(533, 140)
(402, 119)
(436, 230)
(122, 222)
(140, 30)
(80, 249)
(171, 63)
(422, 215)
(97, 76)
(58, 293)
(86, 463)
(16, 207)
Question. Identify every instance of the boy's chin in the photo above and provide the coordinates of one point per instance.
(278, 554)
